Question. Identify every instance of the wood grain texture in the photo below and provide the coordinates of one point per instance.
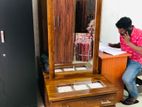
(112, 68)
(97, 35)
(80, 98)
(60, 22)
(64, 13)
(50, 24)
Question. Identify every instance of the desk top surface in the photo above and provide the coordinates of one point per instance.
(103, 55)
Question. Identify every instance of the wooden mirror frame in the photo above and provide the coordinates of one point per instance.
(50, 23)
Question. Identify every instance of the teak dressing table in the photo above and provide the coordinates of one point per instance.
(69, 84)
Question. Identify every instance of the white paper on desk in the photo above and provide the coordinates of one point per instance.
(80, 87)
(95, 85)
(113, 51)
(62, 89)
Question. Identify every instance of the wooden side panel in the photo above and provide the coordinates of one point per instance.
(112, 68)
(43, 26)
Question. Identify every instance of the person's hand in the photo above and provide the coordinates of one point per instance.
(126, 38)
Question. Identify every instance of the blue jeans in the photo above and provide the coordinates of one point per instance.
(129, 77)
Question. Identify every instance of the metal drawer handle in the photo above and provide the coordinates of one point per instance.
(2, 36)
(106, 102)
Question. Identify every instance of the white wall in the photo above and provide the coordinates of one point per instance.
(112, 11)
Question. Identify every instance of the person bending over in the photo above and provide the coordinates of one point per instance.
(131, 42)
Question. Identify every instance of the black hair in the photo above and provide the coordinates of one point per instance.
(124, 22)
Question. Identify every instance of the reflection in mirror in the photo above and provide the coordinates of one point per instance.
(74, 33)
(85, 12)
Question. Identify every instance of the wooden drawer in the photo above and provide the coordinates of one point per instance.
(98, 101)
(95, 97)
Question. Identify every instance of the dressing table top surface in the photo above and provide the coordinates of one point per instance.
(53, 94)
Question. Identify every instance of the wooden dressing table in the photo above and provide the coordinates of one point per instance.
(82, 88)
(101, 97)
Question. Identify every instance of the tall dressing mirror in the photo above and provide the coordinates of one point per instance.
(73, 36)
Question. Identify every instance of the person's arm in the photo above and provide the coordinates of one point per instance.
(116, 45)
(136, 48)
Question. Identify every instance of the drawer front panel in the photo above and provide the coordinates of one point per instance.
(98, 101)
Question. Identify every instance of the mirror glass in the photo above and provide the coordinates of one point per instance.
(74, 35)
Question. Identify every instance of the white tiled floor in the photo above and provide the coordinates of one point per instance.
(134, 105)
(40, 102)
